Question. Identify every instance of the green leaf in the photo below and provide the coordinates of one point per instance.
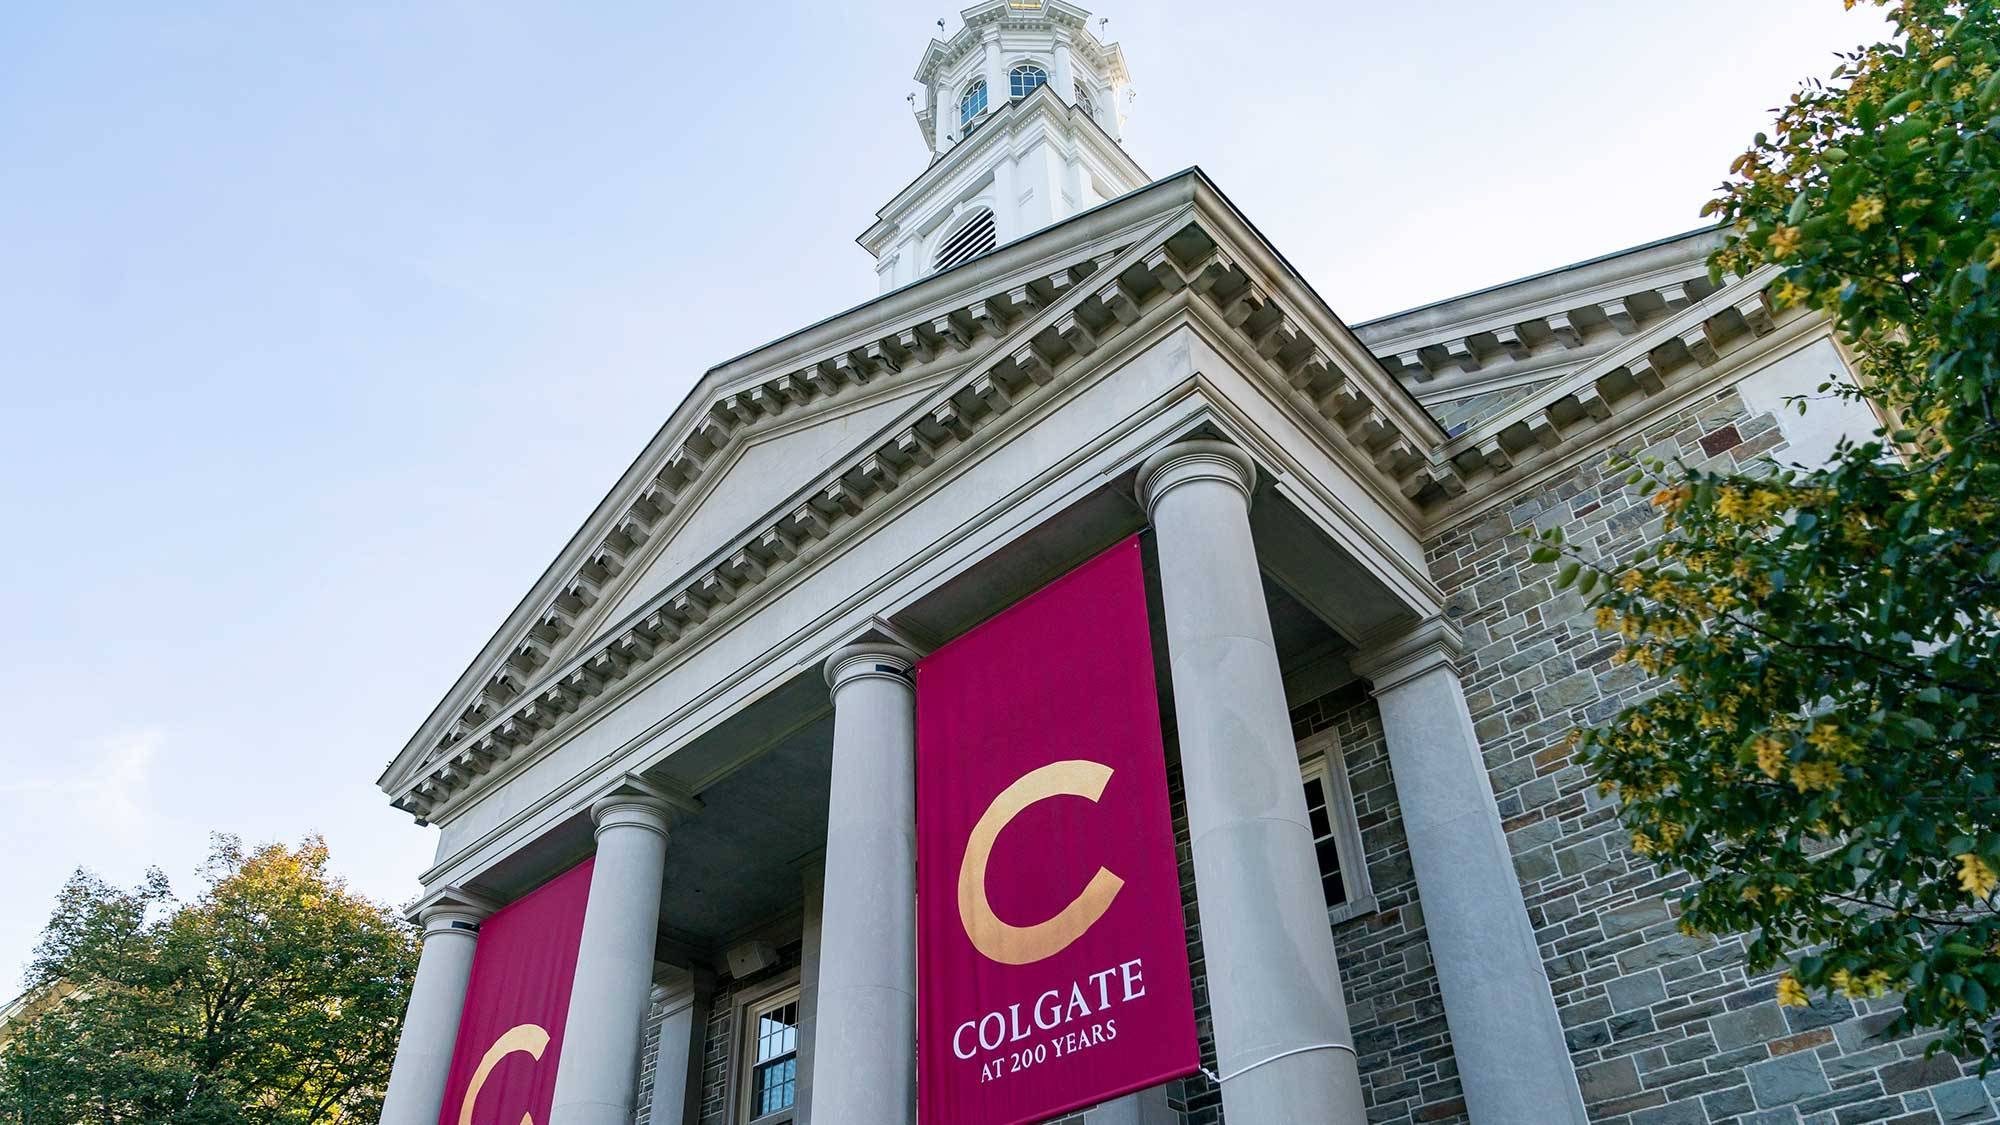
(1567, 575)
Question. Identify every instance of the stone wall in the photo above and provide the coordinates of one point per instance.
(1664, 1029)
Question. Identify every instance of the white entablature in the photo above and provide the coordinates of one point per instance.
(1022, 111)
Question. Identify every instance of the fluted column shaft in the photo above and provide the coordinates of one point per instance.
(864, 1043)
(1283, 1049)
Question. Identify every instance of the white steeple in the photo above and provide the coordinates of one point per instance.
(1022, 110)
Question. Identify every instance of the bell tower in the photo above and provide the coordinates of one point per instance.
(1021, 110)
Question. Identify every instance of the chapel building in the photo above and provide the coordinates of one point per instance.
(684, 772)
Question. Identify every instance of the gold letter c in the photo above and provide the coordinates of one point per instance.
(1022, 945)
(525, 1038)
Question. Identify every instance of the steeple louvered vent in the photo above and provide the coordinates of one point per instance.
(970, 241)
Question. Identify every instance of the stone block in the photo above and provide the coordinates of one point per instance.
(1614, 1078)
(1674, 1113)
(1962, 1102)
(1661, 951)
(1587, 856)
(1636, 991)
(1840, 1066)
(1725, 1104)
(1864, 1032)
(1915, 1074)
(1571, 691)
(1636, 916)
(1824, 1011)
(1787, 1079)
(1535, 865)
(1586, 1037)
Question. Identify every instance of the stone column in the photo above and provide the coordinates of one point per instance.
(598, 1077)
(677, 1065)
(865, 1033)
(1283, 1049)
(1505, 1034)
(437, 998)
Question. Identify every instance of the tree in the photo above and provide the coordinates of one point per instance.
(276, 996)
(1824, 764)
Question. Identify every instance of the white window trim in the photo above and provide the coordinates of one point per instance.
(1320, 757)
(743, 1052)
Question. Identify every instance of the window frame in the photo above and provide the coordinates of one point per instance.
(775, 993)
(967, 113)
(1014, 72)
(1321, 758)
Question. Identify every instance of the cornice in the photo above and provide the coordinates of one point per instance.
(1664, 364)
(1681, 388)
(939, 54)
(1553, 322)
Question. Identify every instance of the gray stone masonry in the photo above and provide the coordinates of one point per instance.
(1662, 1027)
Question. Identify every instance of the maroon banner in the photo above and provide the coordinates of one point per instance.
(1050, 940)
(510, 1035)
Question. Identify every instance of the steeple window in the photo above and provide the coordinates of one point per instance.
(1083, 101)
(1022, 80)
(971, 104)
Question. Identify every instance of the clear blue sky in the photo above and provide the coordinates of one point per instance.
(322, 327)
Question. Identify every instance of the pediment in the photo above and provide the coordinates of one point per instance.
(746, 484)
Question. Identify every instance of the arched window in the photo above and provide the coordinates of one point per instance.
(971, 104)
(1083, 101)
(1022, 80)
(969, 241)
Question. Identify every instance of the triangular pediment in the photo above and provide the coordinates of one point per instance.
(747, 483)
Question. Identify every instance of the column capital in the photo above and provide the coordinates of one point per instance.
(1187, 461)
(634, 802)
(451, 909)
(869, 661)
(1397, 655)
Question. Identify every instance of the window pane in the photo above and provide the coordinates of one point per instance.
(1329, 869)
(1321, 825)
(972, 103)
(778, 1032)
(774, 1086)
